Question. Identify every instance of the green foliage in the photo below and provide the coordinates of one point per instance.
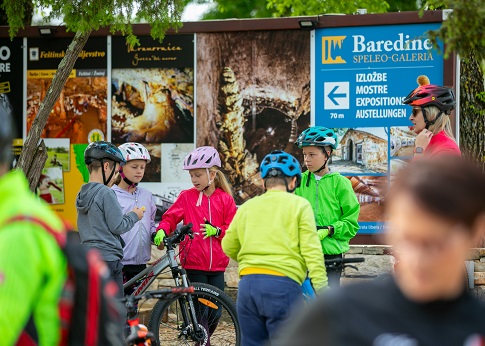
(284, 8)
(479, 109)
(86, 15)
(462, 32)
(224, 9)
(402, 5)
(238, 9)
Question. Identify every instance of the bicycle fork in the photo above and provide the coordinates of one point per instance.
(187, 307)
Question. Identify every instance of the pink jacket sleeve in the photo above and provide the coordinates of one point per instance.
(173, 215)
(229, 212)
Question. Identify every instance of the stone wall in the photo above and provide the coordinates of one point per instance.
(378, 261)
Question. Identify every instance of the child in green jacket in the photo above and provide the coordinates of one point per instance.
(331, 195)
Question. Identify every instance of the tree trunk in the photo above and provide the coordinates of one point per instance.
(28, 158)
(472, 110)
(40, 156)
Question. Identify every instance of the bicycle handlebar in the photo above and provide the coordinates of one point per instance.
(345, 260)
(178, 235)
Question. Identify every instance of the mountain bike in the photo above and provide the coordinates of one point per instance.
(139, 334)
(206, 317)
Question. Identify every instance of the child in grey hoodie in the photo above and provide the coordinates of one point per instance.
(100, 219)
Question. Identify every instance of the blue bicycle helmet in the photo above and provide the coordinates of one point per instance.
(279, 161)
(97, 151)
(317, 136)
(279, 164)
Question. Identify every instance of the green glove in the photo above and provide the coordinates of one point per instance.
(322, 233)
(159, 237)
(210, 230)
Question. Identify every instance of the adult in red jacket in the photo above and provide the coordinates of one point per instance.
(432, 105)
(210, 207)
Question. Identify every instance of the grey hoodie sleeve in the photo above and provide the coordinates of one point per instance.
(117, 222)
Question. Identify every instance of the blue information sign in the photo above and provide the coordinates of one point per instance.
(361, 75)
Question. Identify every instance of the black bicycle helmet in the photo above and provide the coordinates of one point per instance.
(97, 151)
(100, 151)
(6, 130)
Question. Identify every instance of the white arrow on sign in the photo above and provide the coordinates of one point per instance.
(336, 95)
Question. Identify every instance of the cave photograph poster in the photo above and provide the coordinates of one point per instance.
(253, 97)
(153, 90)
(80, 113)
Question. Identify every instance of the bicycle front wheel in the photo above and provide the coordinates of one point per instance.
(216, 316)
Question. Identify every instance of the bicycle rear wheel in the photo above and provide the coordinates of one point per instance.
(216, 315)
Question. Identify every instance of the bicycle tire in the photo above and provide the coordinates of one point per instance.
(167, 324)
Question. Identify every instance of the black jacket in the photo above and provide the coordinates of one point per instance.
(377, 313)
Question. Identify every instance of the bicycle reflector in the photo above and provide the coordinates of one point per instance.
(208, 303)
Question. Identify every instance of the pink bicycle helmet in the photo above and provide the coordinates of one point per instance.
(202, 157)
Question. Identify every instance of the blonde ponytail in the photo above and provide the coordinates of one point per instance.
(221, 181)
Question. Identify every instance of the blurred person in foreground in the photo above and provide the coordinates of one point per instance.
(436, 213)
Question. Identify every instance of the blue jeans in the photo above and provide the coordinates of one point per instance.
(264, 303)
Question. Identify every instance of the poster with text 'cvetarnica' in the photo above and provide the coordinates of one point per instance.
(361, 75)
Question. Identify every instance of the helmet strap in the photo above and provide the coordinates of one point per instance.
(106, 181)
(287, 189)
(199, 200)
(297, 184)
(209, 176)
(429, 123)
(325, 164)
(426, 121)
(126, 180)
(210, 181)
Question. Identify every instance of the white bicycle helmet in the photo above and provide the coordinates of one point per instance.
(134, 151)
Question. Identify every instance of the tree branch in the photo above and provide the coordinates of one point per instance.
(26, 160)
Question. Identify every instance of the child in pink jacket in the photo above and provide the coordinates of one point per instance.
(210, 207)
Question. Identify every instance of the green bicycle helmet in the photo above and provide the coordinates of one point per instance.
(317, 136)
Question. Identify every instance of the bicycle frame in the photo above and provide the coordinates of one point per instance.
(151, 272)
(180, 277)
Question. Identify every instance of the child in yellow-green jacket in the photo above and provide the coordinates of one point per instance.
(273, 238)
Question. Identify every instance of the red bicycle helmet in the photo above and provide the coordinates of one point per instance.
(432, 95)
